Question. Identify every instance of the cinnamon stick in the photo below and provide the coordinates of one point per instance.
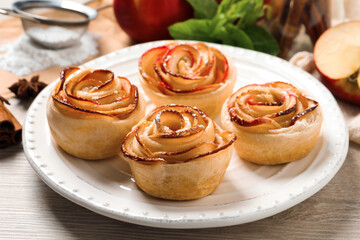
(284, 6)
(5, 140)
(314, 19)
(325, 6)
(308, 25)
(16, 134)
(284, 13)
(291, 27)
(6, 125)
(318, 16)
(10, 128)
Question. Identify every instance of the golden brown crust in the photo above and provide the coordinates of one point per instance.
(91, 111)
(275, 122)
(182, 181)
(188, 74)
(175, 145)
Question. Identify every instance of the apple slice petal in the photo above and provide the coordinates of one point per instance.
(184, 68)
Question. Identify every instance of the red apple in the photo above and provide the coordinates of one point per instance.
(148, 20)
(337, 58)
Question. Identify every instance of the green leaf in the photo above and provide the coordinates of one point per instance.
(233, 22)
(240, 10)
(244, 12)
(262, 40)
(192, 29)
(225, 5)
(204, 8)
(217, 26)
(236, 37)
(251, 11)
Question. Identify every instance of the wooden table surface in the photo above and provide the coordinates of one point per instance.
(29, 209)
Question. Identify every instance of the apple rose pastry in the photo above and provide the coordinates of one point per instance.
(191, 74)
(275, 122)
(91, 111)
(177, 152)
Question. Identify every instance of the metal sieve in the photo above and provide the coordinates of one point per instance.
(53, 24)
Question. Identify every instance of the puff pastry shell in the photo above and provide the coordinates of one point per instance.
(178, 152)
(275, 122)
(192, 74)
(91, 111)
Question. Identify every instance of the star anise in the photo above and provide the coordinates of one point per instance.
(24, 89)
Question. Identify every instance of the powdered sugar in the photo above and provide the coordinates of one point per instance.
(23, 56)
(55, 37)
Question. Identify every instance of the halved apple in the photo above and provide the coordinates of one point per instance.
(337, 58)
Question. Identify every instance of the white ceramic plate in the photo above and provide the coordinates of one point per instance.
(247, 193)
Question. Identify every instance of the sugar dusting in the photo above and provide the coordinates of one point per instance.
(55, 36)
(23, 56)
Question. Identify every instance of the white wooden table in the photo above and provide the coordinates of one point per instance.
(29, 209)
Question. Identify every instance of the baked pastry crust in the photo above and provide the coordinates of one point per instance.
(192, 74)
(178, 152)
(91, 111)
(275, 122)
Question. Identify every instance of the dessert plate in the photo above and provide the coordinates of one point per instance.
(247, 193)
